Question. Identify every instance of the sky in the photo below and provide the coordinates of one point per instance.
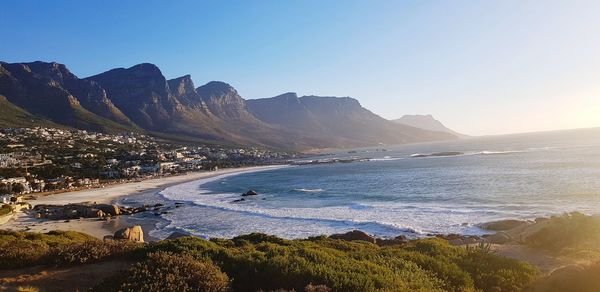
(480, 67)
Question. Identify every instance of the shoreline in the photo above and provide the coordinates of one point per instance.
(22, 221)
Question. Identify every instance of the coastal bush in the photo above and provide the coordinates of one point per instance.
(260, 262)
(91, 251)
(294, 264)
(164, 271)
(21, 249)
(573, 231)
(51, 238)
(17, 253)
(5, 210)
(493, 272)
(257, 262)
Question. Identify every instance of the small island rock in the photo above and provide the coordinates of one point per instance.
(250, 193)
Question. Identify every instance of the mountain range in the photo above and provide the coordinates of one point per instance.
(141, 99)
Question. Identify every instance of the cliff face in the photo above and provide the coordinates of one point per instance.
(224, 101)
(140, 98)
(142, 93)
(183, 89)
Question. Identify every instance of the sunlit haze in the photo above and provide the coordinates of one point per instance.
(480, 67)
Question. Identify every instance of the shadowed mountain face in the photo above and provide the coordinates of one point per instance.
(336, 121)
(140, 98)
(142, 93)
(43, 89)
(425, 122)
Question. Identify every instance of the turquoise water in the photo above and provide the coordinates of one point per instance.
(518, 176)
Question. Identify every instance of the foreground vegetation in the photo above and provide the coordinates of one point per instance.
(260, 262)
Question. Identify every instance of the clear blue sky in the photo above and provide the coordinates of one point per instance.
(481, 67)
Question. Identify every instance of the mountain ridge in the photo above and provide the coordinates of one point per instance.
(141, 98)
(426, 122)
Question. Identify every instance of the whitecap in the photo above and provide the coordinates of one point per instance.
(308, 190)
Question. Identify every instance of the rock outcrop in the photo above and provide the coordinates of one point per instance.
(112, 210)
(503, 225)
(250, 193)
(459, 239)
(499, 238)
(354, 235)
(87, 210)
(398, 240)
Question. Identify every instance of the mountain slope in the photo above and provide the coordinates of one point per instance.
(40, 94)
(12, 116)
(89, 94)
(142, 93)
(336, 121)
(426, 122)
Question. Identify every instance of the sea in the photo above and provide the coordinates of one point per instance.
(398, 190)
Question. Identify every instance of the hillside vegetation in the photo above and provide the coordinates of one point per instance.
(260, 262)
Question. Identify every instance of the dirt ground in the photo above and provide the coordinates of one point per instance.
(78, 278)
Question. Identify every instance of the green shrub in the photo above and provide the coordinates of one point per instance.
(164, 271)
(52, 238)
(18, 253)
(22, 249)
(91, 251)
(261, 262)
(258, 262)
(489, 271)
(5, 210)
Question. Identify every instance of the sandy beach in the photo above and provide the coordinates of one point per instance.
(99, 228)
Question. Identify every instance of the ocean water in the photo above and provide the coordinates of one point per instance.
(517, 176)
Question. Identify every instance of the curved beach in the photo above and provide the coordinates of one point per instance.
(22, 221)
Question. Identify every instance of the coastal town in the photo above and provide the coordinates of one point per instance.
(42, 160)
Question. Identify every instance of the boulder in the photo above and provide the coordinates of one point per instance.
(250, 193)
(134, 233)
(92, 213)
(354, 235)
(112, 210)
(499, 238)
(398, 240)
(503, 225)
(459, 239)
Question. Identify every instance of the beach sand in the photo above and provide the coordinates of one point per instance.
(109, 194)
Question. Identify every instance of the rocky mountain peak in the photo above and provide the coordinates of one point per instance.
(145, 67)
(182, 86)
(216, 90)
(288, 96)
